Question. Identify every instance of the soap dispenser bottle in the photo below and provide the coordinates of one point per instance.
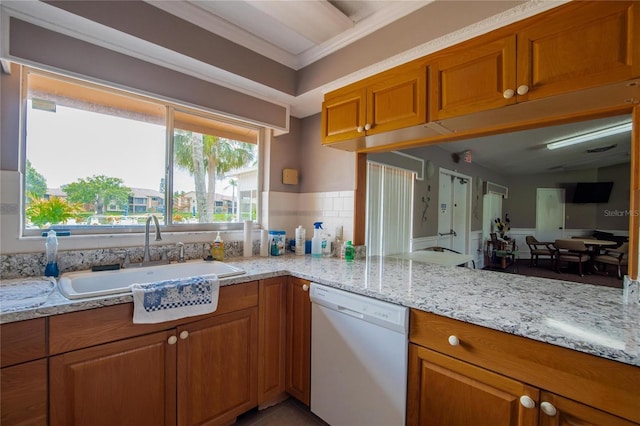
(316, 241)
(217, 251)
(51, 245)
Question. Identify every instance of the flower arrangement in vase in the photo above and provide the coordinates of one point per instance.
(502, 226)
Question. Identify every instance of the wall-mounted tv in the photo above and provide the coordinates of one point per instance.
(592, 192)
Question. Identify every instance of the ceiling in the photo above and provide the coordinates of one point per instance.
(293, 32)
(525, 152)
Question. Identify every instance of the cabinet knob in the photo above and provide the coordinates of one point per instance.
(184, 334)
(172, 340)
(527, 401)
(454, 341)
(360, 129)
(508, 94)
(523, 90)
(548, 408)
(305, 287)
(367, 126)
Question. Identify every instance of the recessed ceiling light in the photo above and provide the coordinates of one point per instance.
(608, 131)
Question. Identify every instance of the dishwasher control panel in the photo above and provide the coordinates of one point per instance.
(366, 308)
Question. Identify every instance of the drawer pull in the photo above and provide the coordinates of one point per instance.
(508, 94)
(527, 401)
(523, 90)
(184, 334)
(453, 340)
(548, 408)
(360, 129)
(172, 340)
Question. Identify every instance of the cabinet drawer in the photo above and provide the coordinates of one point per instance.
(22, 341)
(96, 326)
(608, 385)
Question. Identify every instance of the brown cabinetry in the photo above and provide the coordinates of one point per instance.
(272, 341)
(200, 370)
(389, 101)
(472, 375)
(298, 340)
(23, 376)
(570, 48)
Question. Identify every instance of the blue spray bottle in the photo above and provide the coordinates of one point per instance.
(316, 241)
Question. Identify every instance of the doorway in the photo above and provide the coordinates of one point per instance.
(454, 217)
(549, 214)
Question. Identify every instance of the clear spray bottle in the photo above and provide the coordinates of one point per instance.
(51, 245)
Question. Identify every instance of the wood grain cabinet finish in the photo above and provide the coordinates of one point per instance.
(605, 392)
(445, 391)
(389, 101)
(23, 377)
(298, 361)
(570, 48)
(272, 341)
(217, 368)
(131, 381)
(194, 371)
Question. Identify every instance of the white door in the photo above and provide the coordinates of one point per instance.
(491, 210)
(454, 215)
(549, 214)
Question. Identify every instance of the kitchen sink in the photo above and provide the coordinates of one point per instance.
(83, 284)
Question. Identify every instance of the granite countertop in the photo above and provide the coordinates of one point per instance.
(583, 317)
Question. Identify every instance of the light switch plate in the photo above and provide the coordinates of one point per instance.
(289, 176)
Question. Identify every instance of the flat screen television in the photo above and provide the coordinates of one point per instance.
(592, 192)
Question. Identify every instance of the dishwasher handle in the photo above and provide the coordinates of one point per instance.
(350, 312)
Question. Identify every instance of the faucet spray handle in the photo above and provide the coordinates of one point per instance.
(181, 252)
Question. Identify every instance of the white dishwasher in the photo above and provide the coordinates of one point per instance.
(358, 359)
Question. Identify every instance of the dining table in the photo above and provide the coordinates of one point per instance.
(593, 247)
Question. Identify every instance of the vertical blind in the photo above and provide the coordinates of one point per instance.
(389, 209)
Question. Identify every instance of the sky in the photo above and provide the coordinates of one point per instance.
(69, 144)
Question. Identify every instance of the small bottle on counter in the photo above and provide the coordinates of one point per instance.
(349, 251)
(51, 245)
(217, 250)
(301, 235)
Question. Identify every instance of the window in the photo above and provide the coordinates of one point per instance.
(102, 160)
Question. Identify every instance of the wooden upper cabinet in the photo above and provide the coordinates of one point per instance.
(389, 101)
(584, 45)
(570, 48)
(343, 113)
(473, 79)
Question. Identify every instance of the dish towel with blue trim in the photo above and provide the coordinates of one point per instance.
(174, 299)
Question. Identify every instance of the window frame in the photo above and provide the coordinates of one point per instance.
(170, 107)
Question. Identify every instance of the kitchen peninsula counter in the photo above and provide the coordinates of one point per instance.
(586, 318)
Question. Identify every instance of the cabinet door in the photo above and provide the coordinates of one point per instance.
(559, 411)
(343, 113)
(217, 368)
(586, 45)
(445, 391)
(397, 102)
(473, 79)
(23, 394)
(122, 383)
(272, 340)
(298, 377)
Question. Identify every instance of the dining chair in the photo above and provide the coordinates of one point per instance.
(538, 249)
(572, 251)
(614, 256)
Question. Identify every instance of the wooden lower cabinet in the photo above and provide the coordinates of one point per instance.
(217, 368)
(298, 373)
(445, 391)
(272, 341)
(128, 382)
(23, 394)
(559, 411)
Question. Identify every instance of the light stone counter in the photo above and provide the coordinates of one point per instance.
(583, 317)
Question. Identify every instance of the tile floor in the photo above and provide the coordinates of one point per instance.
(288, 413)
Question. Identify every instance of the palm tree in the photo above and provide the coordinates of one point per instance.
(233, 183)
(208, 157)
